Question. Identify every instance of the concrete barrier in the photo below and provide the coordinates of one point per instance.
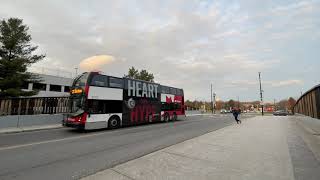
(8, 122)
(22, 121)
(37, 120)
(25, 121)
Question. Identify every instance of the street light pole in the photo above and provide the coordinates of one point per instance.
(261, 97)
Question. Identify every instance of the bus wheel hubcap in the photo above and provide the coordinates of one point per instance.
(114, 122)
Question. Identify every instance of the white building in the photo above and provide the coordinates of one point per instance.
(50, 86)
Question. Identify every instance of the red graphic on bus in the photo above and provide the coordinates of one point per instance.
(144, 111)
(175, 104)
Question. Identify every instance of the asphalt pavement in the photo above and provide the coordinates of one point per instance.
(68, 154)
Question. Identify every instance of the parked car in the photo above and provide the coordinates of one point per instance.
(280, 113)
(223, 111)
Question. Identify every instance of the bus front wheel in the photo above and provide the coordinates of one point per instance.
(114, 122)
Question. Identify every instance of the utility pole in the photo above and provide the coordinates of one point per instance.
(274, 105)
(261, 97)
(211, 100)
(214, 103)
(238, 102)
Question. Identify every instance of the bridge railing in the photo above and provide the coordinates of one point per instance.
(309, 103)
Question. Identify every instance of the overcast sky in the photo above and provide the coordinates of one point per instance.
(187, 44)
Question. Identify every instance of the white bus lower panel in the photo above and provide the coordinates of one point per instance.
(95, 125)
(99, 121)
(182, 117)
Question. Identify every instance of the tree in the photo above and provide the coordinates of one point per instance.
(132, 73)
(188, 105)
(231, 103)
(291, 103)
(220, 105)
(142, 75)
(282, 105)
(16, 54)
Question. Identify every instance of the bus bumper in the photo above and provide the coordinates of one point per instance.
(73, 124)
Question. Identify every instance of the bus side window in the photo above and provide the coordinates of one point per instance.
(96, 106)
(116, 82)
(177, 106)
(173, 91)
(114, 107)
(99, 80)
(163, 89)
(167, 90)
(165, 106)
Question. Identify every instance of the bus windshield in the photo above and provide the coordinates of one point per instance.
(77, 94)
(76, 104)
(81, 80)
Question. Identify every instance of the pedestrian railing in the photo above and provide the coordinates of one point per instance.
(33, 105)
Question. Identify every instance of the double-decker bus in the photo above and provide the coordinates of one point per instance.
(102, 101)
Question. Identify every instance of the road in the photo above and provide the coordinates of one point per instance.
(69, 154)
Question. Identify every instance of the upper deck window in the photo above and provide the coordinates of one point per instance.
(165, 90)
(173, 91)
(99, 80)
(180, 92)
(115, 82)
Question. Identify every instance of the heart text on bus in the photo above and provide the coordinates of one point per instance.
(142, 89)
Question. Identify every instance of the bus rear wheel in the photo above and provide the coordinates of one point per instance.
(166, 117)
(114, 122)
(174, 117)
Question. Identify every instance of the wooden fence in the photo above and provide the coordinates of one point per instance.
(31, 106)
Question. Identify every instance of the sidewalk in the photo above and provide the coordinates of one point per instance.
(260, 148)
(29, 128)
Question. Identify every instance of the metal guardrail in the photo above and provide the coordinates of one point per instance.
(309, 103)
(33, 105)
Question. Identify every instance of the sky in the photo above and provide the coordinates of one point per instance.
(185, 44)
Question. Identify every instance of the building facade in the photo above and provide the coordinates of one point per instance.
(50, 86)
